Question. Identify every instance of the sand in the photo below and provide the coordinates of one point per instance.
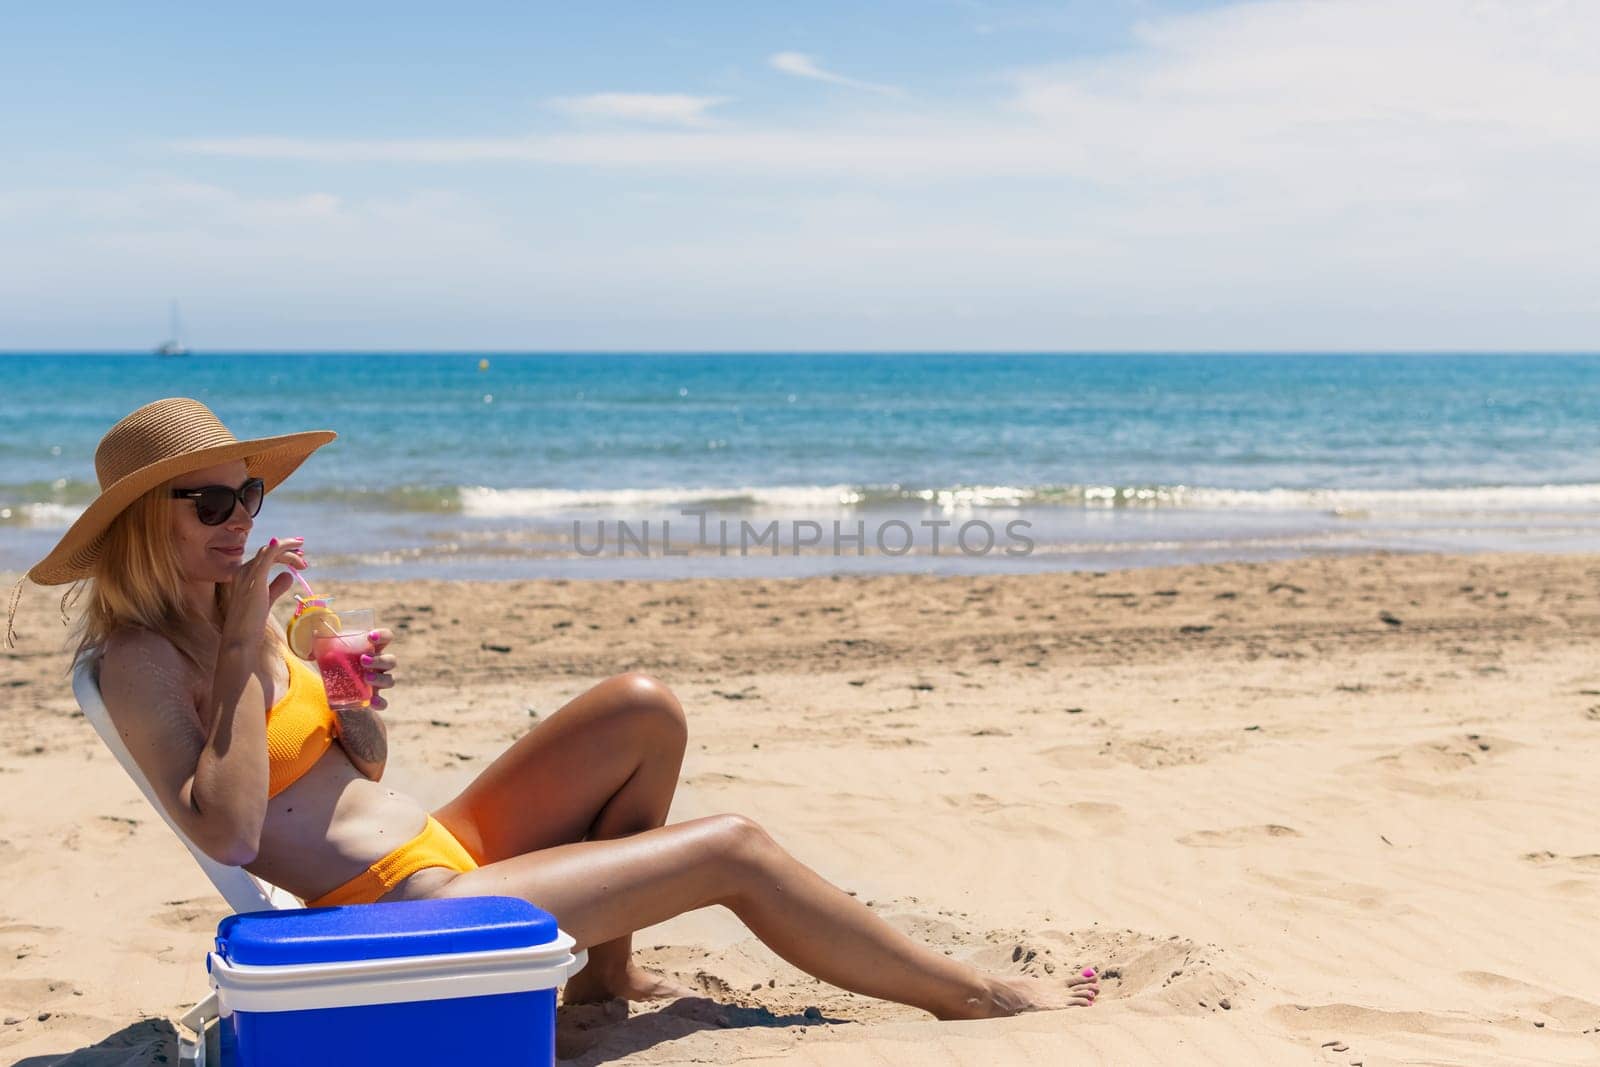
(1335, 810)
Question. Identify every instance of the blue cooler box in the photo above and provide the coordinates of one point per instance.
(412, 982)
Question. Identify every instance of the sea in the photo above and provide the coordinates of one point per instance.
(666, 465)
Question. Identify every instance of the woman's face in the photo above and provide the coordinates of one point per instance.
(210, 553)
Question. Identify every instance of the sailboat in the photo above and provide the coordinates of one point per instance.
(173, 345)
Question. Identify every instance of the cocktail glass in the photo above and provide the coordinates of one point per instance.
(338, 657)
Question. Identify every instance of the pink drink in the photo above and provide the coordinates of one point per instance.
(339, 660)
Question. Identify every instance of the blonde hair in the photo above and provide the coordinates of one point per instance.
(138, 583)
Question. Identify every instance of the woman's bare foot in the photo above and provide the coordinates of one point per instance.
(634, 983)
(1013, 996)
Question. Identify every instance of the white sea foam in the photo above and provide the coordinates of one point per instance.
(485, 502)
(1388, 501)
(505, 503)
(41, 515)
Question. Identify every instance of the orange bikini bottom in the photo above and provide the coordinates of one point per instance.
(435, 846)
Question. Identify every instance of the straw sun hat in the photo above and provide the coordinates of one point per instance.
(160, 441)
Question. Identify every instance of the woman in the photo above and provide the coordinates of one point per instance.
(237, 739)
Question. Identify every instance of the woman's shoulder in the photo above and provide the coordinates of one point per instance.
(137, 640)
(140, 658)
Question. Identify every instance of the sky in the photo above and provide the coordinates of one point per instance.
(1110, 176)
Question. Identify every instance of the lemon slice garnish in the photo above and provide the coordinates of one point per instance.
(307, 625)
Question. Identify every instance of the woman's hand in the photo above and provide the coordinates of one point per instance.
(253, 595)
(377, 664)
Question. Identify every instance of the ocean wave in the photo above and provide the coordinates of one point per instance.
(443, 500)
(501, 503)
(59, 503)
(59, 491)
(39, 514)
(496, 503)
(1354, 502)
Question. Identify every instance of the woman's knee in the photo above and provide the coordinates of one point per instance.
(742, 843)
(648, 700)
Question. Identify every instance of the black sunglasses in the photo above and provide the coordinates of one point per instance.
(214, 503)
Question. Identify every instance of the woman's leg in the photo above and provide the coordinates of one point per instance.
(604, 766)
(603, 890)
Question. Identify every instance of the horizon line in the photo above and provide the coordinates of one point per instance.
(1443, 351)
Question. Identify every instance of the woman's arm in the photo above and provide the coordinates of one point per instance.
(212, 782)
(214, 785)
(231, 776)
(365, 739)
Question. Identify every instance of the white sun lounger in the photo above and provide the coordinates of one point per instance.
(242, 890)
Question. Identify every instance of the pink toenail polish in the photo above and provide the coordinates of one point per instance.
(1088, 972)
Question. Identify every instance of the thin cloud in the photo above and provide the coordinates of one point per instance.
(803, 66)
(1260, 97)
(1291, 173)
(666, 109)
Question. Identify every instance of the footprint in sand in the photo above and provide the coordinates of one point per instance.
(1097, 815)
(28, 996)
(1308, 886)
(1448, 755)
(1428, 767)
(1538, 1003)
(1236, 837)
(20, 940)
(1327, 1026)
(198, 916)
(1584, 866)
(101, 831)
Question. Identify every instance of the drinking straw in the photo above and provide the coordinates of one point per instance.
(302, 581)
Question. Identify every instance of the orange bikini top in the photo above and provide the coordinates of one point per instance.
(300, 727)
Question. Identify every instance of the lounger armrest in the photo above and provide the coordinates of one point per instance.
(192, 1050)
(197, 1017)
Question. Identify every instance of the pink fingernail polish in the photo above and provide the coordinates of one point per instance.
(366, 660)
(272, 542)
(373, 636)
